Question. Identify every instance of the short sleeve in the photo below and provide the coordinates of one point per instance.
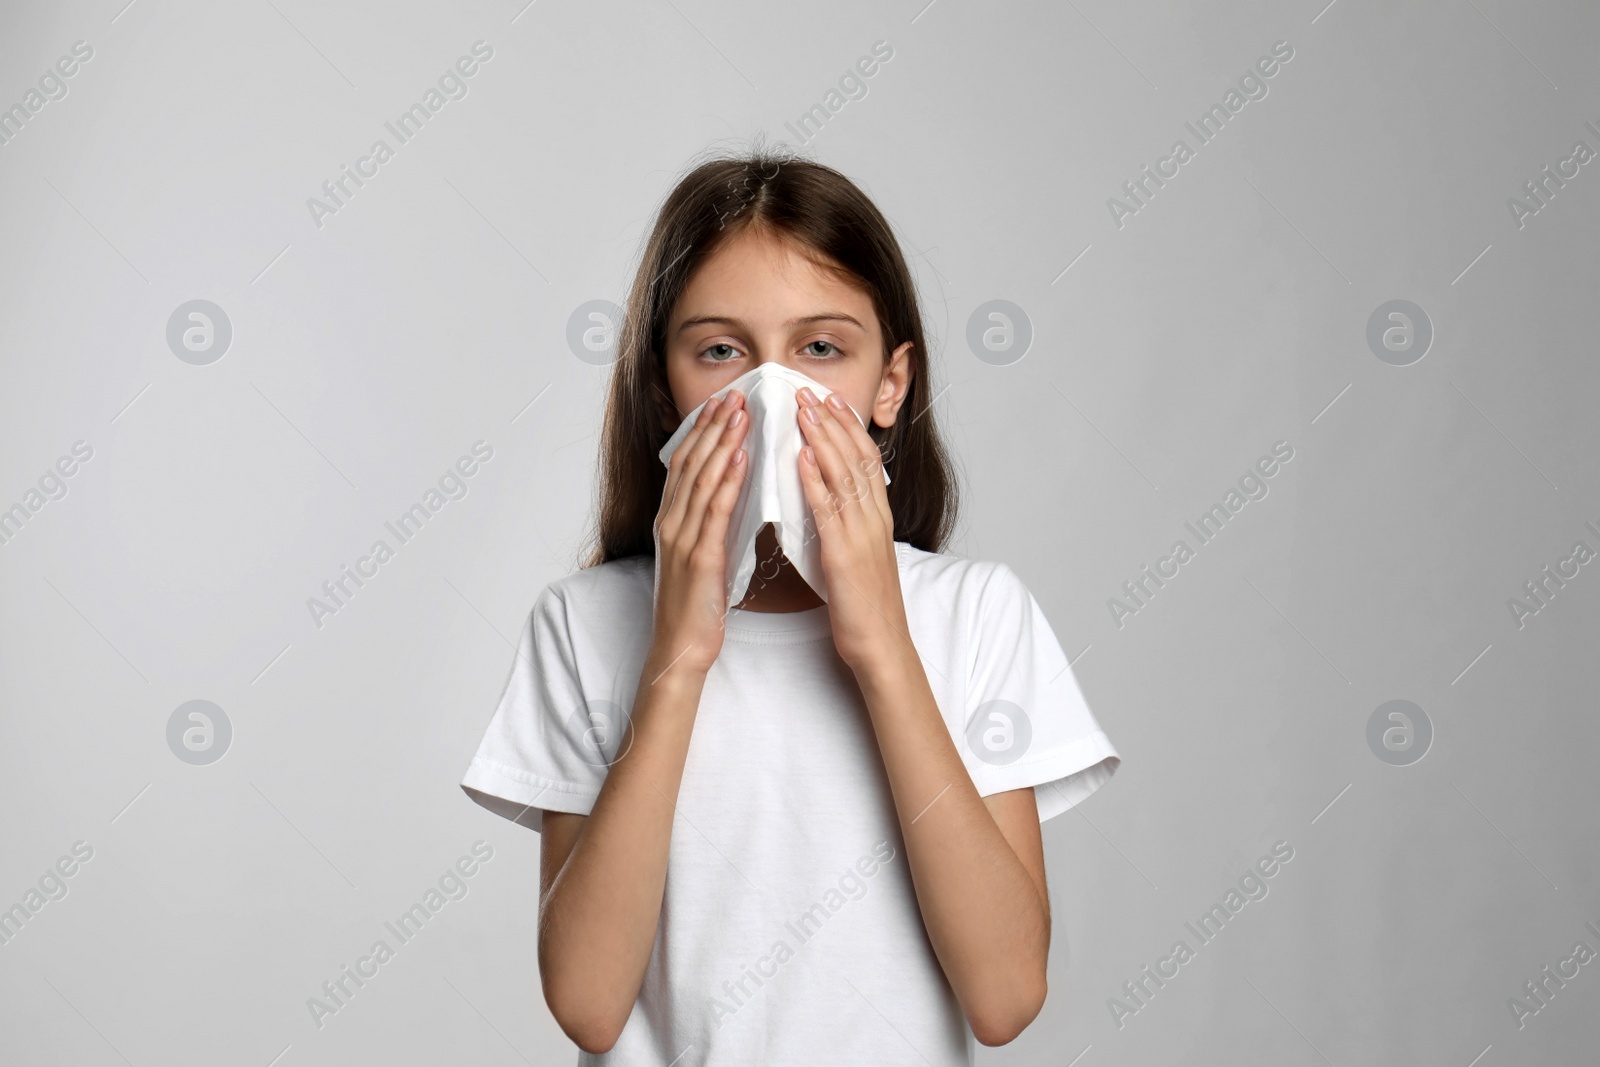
(547, 748)
(1027, 723)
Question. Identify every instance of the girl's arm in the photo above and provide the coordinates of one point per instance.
(977, 867)
(602, 876)
(977, 863)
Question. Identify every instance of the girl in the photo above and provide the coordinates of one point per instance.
(785, 830)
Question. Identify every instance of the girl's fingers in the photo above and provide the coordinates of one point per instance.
(821, 477)
(714, 528)
(868, 465)
(816, 490)
(680, 460)
(838, 455)
(693, 452)
(718, 457)
(867, 461)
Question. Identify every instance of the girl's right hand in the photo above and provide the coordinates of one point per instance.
(691, 531)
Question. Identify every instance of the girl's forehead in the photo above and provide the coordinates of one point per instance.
(782, 278)
(757, 253)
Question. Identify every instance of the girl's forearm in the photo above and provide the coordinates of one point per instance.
(986, 918)
(599, 916)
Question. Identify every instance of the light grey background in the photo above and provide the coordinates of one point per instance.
(1168, 354)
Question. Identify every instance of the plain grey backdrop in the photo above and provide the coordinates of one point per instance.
(1381, 259)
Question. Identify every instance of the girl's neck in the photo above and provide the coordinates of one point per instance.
(786, 590)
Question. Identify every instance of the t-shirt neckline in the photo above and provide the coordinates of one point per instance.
(766, 625)
(782, 627)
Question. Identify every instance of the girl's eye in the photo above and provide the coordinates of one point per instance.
(716, 358)
(811, 351)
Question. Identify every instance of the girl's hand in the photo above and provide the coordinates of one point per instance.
(844, 485)
(691, 531)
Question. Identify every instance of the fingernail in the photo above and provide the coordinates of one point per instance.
(811, 413)
(736, 419)
(833, 398)
(807, 395)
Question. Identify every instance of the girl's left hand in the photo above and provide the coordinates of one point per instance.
(844, 485)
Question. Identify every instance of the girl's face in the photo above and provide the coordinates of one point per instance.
(757, 300)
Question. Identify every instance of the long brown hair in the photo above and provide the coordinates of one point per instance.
(840, 229)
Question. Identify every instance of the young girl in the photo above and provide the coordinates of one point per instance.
(787, 830)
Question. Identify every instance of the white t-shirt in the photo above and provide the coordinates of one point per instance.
(790, 931)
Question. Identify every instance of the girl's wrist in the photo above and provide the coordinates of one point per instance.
(887, 667)
(673, 664)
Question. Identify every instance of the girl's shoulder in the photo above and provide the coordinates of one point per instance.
(944, 580)
(616, 589)
(947, 570)
(616, 574)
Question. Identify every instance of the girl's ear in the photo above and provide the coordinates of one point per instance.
(896, 384)
(666, 411)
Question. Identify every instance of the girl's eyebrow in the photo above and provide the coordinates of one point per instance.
(723, 320)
